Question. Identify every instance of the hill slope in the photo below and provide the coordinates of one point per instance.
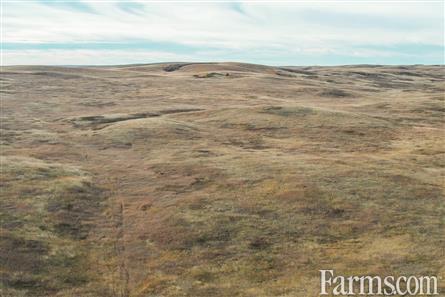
(218, 179)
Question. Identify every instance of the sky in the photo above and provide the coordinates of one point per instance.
(51, 32)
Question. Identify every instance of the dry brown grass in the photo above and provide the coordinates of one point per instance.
(218, 179)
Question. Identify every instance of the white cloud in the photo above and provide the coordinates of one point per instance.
(87, 57)
(311, 27)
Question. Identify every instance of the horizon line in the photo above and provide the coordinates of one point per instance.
(217, 62)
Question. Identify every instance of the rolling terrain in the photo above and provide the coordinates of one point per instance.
(218, 179)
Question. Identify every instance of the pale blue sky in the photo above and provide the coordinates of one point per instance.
(274, 33)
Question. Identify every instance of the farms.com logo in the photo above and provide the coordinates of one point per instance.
(338, 285)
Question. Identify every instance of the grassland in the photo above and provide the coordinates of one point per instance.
(218, 179)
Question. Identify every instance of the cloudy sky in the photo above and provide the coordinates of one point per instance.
(274, 33)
